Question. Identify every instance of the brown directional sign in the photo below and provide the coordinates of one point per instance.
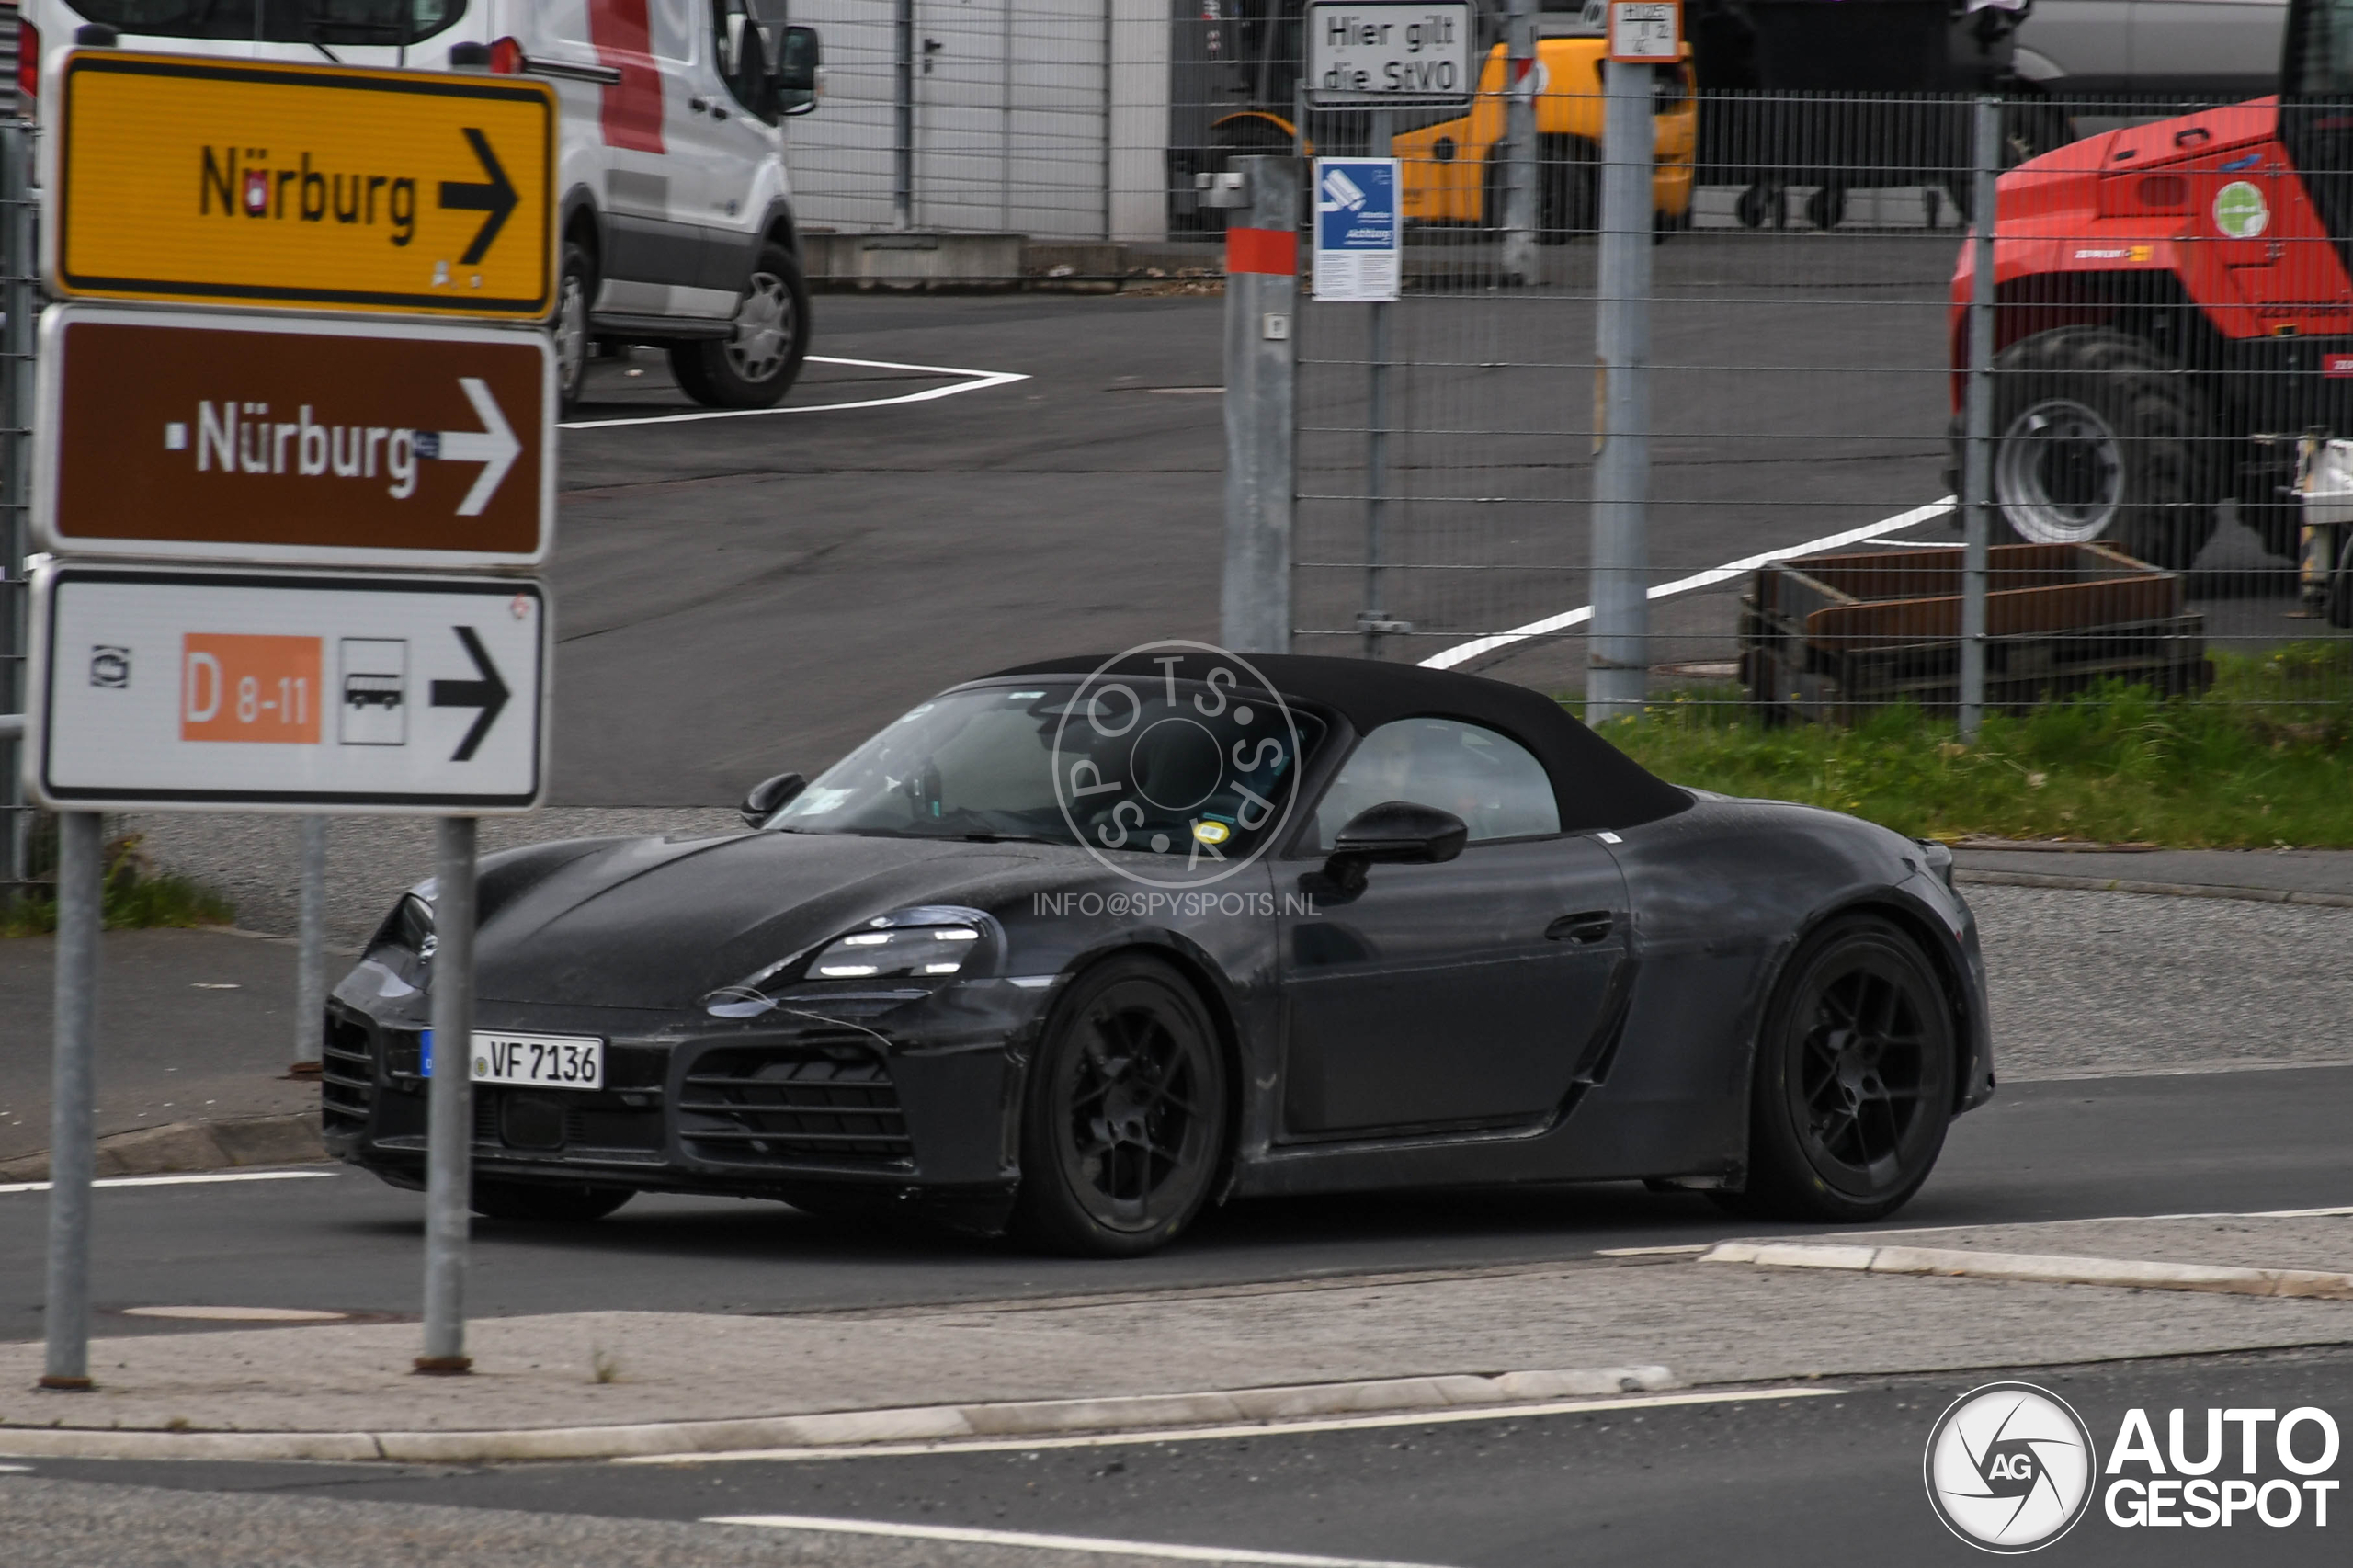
(167, 433)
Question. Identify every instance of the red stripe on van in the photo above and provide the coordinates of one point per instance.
(632, 107)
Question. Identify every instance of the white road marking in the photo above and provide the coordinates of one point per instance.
(1052, 1542)
(16, 1470)
(1462, 653)
(238, 1314)
(1249, 1429)
(980, 381)
(180, 1180)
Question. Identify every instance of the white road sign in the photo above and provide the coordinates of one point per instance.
(1645, 32)
(286, 692)
(1387, 52)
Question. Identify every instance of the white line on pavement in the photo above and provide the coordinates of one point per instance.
(1247, 1429)
(980, 381)
(1051, 1542)
(180, 1180)
(1462, 653)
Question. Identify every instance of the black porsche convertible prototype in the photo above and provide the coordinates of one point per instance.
(1079, 948)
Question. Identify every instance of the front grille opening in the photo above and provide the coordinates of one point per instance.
(347, 1074)
(796, 1104)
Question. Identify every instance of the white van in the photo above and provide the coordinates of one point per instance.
(677, 216)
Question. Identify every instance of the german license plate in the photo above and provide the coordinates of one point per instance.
(541, 1061)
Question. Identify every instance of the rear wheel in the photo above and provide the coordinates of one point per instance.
(756, 363)
(552, 1203)
(1123, 1126)
(575, 291)
(1854, 1078)
(2099, 436)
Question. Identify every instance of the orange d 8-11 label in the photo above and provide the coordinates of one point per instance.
(237, 686)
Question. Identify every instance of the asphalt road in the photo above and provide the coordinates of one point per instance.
(1775, 1482)
(736, 597)
(2072, 1149)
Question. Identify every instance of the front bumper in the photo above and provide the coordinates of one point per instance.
(915, 1095)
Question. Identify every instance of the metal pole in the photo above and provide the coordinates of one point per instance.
(903, 145)
(1261, 306)
(72, 1137)
(19, 307)
(1518, 261)
(1977, 466)
(310, 940)
(449, 1156)
(1618, 681)
(1373, 619)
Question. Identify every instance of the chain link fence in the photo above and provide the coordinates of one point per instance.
(2172, 316)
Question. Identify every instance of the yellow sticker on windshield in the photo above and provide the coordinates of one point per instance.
(1211, 832)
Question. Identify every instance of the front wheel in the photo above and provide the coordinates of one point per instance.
(1123, 1124)
(575, 293)
(551, 1203)
(2098, 435)
(757, 362)
(1853, 1079)
(1568, 188)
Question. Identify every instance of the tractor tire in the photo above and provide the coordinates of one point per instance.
(1568, 188)
(2098, 436)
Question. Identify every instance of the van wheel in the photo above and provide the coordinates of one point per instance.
(575, 289)
(1568, 188)
(757, 364)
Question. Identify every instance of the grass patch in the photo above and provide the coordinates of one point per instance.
(137, 897)
(2264, 759)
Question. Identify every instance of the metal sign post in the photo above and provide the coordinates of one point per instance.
(240, 448)
(1977, 470)
(1261, 302)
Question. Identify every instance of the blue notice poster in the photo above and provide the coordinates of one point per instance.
(1358, 231)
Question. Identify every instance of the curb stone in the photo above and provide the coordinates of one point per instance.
(847, 1428)
(193, 1146)
(2043, 1268)
(2168, 890)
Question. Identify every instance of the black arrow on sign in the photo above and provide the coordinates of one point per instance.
(489, 694)
(497, 198)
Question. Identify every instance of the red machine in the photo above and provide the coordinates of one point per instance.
(2174, 311)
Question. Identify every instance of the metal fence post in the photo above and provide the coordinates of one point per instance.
(1518, 261)
(449, 1157)
(1261, 305)
(1977, 467)
(310, 940)
(19, 307)
(903, 117)
(72, 1137)
(1618, 660)
(1373, 620)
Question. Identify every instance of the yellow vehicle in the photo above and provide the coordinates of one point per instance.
(1453, 170)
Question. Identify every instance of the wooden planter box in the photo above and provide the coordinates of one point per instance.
(1835, 636)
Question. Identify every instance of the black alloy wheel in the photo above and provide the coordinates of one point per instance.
(1855, 1073)
(1123, 1129)
(549, 1203)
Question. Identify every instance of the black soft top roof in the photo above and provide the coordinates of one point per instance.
(1598, 786)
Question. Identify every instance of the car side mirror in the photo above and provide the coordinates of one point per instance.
(1394, 833)
(769, 796)
(798, 56)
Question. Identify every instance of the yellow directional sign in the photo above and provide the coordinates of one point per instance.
(189, 179)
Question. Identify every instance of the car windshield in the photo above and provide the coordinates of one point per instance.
(1146, 768)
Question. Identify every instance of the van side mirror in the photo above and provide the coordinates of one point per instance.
(798, 56)
(769, 796)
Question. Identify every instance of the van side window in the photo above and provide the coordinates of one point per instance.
(673, 24)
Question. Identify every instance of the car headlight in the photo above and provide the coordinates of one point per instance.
(898, 952)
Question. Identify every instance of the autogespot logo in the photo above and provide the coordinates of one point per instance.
(2011, 1467)
(1175, 764)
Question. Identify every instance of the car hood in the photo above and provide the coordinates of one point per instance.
(660, 922)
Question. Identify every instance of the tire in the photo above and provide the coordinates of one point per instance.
(1856, 1064)
(534, 1203)
(1759, 204)
(1123, 1122)
(757, 363)
(2097, 435)
(575, 291)
(1568, 188)
(1825, 207)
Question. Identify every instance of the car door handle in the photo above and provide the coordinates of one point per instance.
(1590, 926)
